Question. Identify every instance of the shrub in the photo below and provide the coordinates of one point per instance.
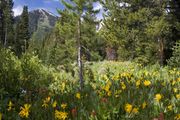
(174, 60)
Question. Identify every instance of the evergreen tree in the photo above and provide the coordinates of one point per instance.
(174, 60)
(22, 35)
(8, 24)
(137, 30)
(79, 9)
(2, 21)
(67, 39)
(91, 43)
(173, 8)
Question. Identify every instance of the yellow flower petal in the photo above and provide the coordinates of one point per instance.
(59, 115)
(158, 97)
(54, 104)
(135, 110)
(24, 113)
(147, 83)
(63, 106)
(128, 108)
(144, 105)
(78, 95)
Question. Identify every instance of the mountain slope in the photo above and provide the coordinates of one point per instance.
(41, 22)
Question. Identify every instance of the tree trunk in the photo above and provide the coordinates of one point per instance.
(1, 26)
(111, 53)
(5, 38)
(161, 51)
(80, 65)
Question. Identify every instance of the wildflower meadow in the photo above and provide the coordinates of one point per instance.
(112, 91)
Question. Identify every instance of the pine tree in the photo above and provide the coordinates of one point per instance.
(173, 7)
(90, 39)
(66, 40)
(137, 30)
(8, 23)
(22, 35)
(2, 22)
(78, 8)
(174, 60)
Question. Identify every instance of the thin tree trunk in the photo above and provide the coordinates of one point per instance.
(5, 38)
(80, 65)
(111, 53)
(161, 51)
(25, 46)
(1, 26)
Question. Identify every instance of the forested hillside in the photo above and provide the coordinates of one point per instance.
(41, 22)
(79, 66)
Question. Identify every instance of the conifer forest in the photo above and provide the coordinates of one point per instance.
(90, 60)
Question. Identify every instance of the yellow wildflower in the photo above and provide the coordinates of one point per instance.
(177, 117)
(175, 90)
(0, 116)
(63, 85)
(147, 83)
(45, 102)
(45, 105)
(158, 97)
(54, 104)
(123, 85)
(108, 86)
(128, 108)
(116, 77)
(24, 113)
(105, 77)
(170, 107)
(63, 105)
(173, 82)
(178, 96)
(117, 92)
(144, 105)
(135, 110)
(10, 105)
(47, 99)
(61, 115)
(78, 95)
(138, 83)
(178, 79)
(109, 93)
(127, 75)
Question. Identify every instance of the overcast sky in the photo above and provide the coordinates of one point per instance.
(50, 5)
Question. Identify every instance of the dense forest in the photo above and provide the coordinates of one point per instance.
(123, 66)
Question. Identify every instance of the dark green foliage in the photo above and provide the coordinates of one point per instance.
(22, 77)
(9, 73)
(9, 32)
(174, 61)
(6, 23)
(63, 50)
(138, 30)
(60, 47)
(174, 19)
(22, 33)
(2, 22)
(91, 41)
